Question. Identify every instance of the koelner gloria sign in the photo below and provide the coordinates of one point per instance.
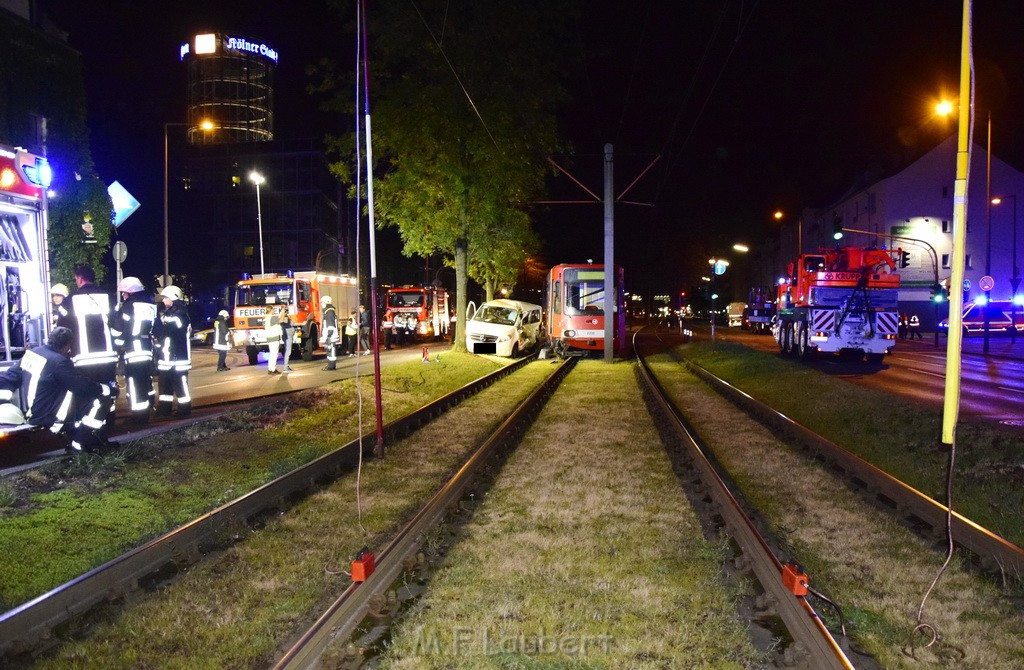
(207, 44)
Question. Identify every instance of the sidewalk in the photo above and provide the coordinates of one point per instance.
(999, 345)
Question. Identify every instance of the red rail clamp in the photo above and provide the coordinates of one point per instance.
(363, 566)
(794, 578)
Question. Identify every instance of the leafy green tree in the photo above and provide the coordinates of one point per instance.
(464, 96)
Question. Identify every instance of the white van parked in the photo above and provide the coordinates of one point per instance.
(503, 327)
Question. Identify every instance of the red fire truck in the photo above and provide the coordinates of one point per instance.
(421, 311)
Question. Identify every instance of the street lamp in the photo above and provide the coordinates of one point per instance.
(1014, 270)
(207, 126)
(256, 178)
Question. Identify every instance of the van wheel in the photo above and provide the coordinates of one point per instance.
(515, 350)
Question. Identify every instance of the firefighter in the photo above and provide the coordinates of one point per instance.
(89, 313)
(364, 330)
(173, 333)
(51, 386)
(329, 333)
(220, 339)
(915, 327)
(272, 327)
(132, 327)
(59, 315)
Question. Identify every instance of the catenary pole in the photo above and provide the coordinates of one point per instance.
(610, 295)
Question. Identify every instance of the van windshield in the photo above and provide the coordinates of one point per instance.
(505, 316)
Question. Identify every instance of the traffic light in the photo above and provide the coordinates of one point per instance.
(837, 227)
(938, 293)
(904, 259)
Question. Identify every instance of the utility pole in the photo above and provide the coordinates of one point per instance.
(610, 302)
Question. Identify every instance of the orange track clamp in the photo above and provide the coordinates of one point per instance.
(363, 566)
(794, 578)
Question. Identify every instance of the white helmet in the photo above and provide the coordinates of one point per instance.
(325, 300)
(59, 289)
(11, 415)
(130, 285)
(223, 313)
(172, 292)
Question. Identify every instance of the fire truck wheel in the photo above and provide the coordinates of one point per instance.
(309, 344)
(802, 348)
(787, 339)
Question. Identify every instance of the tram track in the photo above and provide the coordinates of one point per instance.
(26, 625)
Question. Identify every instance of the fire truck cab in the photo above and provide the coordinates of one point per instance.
(421, 311)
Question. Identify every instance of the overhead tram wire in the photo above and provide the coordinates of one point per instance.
(455, 74)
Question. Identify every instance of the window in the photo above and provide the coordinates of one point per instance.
(947, 227)
(945, 261)
(967, 262)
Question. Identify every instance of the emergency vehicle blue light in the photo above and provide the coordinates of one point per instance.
(291, 274)
(981, 300)
(40, 174)
(1018, 299)
(246, 275)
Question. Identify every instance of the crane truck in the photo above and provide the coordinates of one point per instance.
(839, 300)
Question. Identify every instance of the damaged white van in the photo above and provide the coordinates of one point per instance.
(503, 327)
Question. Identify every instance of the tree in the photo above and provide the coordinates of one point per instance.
(464, 101)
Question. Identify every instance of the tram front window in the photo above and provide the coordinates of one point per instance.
(584, 291)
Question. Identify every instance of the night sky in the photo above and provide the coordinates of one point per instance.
(748, 107)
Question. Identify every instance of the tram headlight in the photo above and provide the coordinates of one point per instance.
(570, 333)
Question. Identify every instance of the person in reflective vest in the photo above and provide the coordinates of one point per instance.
(173, 335)
(272, 328)
(132, 328)
(387, 324)
(56, 395)
(58, 310)
(329, 332)
(915, 327)
(90, 310)
(221, 343)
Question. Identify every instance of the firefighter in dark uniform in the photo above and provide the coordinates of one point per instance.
(220, 339)
(329, 333)
(132, 327)
(173, 334)
(51, 386)
(89, 314)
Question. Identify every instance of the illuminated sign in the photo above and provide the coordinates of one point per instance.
(124, 203)
(242, 44)
(206, 44)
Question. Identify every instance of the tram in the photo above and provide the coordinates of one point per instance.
(575, 309)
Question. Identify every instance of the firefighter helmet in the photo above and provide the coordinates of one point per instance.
(11, 415)
(223, 313)
(130, 285)
(59, 289)
(325, 300)
(173, 293)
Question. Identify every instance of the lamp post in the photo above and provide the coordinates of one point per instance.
(205, 125)
(1014, 270)
(256, 178)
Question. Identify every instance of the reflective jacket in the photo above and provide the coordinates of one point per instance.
(47, 380)
(132, 328)
(90, 313)
(173, 333)
(272, 327)
(330, 325)
(220, 334)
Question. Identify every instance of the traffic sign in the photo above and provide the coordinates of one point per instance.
(124, 203)
(719, 267)
(120, 251)
(967, 285)
(986, 283)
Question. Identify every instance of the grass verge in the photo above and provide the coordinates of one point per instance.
(238, 608)
(861, 557)
(584, 554)
(80, 512)
(895, 434)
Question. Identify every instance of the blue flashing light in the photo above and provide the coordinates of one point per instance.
(981, 300)
(40, 174)
(291, 274)
(1018, 299)
(246, 276)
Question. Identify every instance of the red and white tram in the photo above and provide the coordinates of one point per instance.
(575, 308)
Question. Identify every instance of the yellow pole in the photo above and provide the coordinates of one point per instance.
(951, 404)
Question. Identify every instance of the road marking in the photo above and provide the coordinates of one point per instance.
(1008, 388)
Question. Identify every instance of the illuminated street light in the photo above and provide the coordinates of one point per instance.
(742, 248)
(258, 179)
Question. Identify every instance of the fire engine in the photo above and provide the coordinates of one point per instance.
(298, 294)
(422, 311)
(839, 300)
(24, 258)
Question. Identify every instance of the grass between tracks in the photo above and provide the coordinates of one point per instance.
(895, 434)
(858, 555)
(584, 554)
(237, 608)
(69, 517)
